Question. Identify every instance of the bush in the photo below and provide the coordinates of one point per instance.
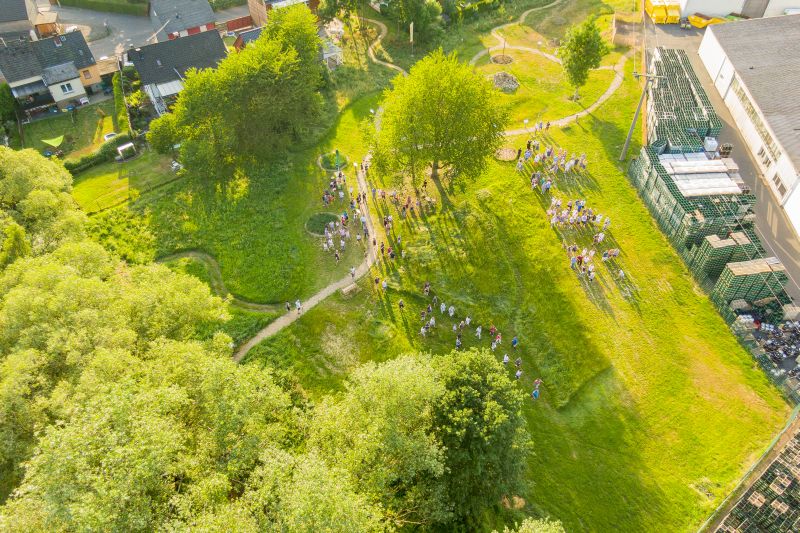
(216, 5)
(123, 123)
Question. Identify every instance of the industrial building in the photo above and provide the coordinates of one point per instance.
(755, 66)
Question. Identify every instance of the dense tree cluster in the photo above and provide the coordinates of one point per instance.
(255, 103)
(443, 115)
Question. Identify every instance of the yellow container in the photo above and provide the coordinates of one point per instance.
(659, 14)
(673, 13)
(698, 22)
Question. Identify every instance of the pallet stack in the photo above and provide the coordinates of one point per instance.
(709, 259)
(679, 112)
(752, 281)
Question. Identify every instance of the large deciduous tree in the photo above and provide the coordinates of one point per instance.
(425, 14)
(254, 104)
(379, 431)
(35, 205)
(582, 50)
(480, 425)
(442, 115)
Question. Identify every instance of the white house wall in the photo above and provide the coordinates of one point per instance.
(76, 93)
(713, 8)
(777, 7)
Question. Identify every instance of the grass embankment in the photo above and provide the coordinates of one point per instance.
(83, 129)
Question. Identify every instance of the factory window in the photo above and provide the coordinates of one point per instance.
(776, 179)
(769, 142)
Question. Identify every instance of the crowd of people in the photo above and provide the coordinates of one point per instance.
(544, 167)
(459, 325)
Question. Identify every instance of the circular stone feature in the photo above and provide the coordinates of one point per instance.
(506, 154)
(502, 59)
(328, 161)
(505, 82)
(317, 222)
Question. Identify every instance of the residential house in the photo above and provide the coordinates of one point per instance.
(331, 54)
(178, 18)
(59, 70)
(162, 66)
(259, 9)
(20, 19)
(245, 38)
(17, 19)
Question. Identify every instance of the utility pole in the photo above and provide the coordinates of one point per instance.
(648, 78)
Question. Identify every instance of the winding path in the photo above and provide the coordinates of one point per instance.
(217, 283)
(289, 318)
(285, 320)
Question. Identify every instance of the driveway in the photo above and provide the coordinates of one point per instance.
(776, 232)
(126, 31)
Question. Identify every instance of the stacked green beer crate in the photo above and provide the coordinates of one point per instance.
(750, 281)
(679, 112)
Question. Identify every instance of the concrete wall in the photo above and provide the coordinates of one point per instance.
(718, 8)
(713, 8)
(776, 7)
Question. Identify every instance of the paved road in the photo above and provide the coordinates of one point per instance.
(126, 30)
(772, 224)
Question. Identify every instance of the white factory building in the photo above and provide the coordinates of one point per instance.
(755, 66)
(748, 8)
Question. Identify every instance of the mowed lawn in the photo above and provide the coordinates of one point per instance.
(650, 410)
(543, 92)
(113, 183)
(83, 129)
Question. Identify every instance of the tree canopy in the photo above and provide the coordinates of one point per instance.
(37, 211)
(254, 104)
(582, 50)
(442, 115)
(121, 408)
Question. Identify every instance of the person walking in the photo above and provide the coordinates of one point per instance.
(506, 359)
(478, 331)
(288, 307)
(353, 272)
(298, 306)
(451, 311)
(442, 307)
(401, 305)
(514, 342)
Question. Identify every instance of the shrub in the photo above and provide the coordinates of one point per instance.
(128, 8)
(121, 110)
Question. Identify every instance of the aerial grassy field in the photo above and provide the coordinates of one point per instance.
(112, 184)
(650, 410)
(543, 94)
(82, 129)
(255, 226)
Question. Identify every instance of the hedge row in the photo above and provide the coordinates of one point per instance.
(127, 8)
(106, 152)
(216, 5)
(123, 122)
(468, 9)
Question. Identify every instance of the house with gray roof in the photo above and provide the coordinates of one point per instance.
(755, 67)
(162, 66)
(59, 70)
(17, 18)
(172, 19)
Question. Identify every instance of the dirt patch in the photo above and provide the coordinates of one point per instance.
(502, 59)
(506, 154)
